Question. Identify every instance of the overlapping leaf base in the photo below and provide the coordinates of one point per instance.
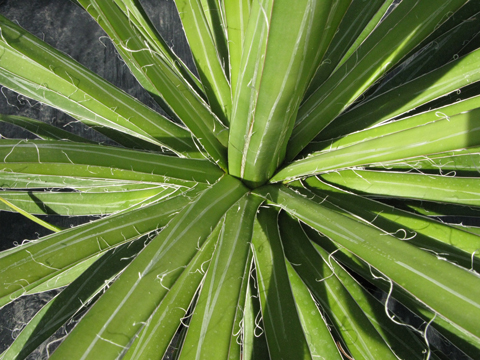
(315, 160)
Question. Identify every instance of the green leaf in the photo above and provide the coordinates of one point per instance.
(448, 189)
(453, 133)
(10, 206)
(165, 81)
(391, 40)
(467, 342)
(447, 289)
(72, 299)
(36, 70)
(171, 312)
(464, 162)
(254, 341)
(79, 203)
(136, 15)
(393, 126)
(101, 161)
(131, 300)
(66, 277)
(11, 180)
(456, 245)
(212, 324)
(237, 338)
(441, 81)
(318, 336)
(282, 326)
(315, 269)
(236, 13)
(208, 45)
(447, 47)
(356, 24)
(26, 267)
(266, 104)
(42, 129)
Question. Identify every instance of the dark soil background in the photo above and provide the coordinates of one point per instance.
(69, 28)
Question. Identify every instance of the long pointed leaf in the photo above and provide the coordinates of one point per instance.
(212, 324)
(427, 278)
(207, 52)
(399, 33)
(424, 232)
(405, 97)
(394, 126)
(73, 298)
(283, 329)
(319, 338)
(131, 300)
(42, 129)
(266, 104)
(461, 131)
(44, 154)
(7, 205)
(177, 93)
(468, 343)
(449, 189)
(35, 69)
(26, 267)
(153, 342)
(254, 341)
(237, 13)
(354, 327)
(135, 12)
(77, 203)
(353, 23)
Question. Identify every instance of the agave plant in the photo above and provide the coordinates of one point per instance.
(306, 163)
